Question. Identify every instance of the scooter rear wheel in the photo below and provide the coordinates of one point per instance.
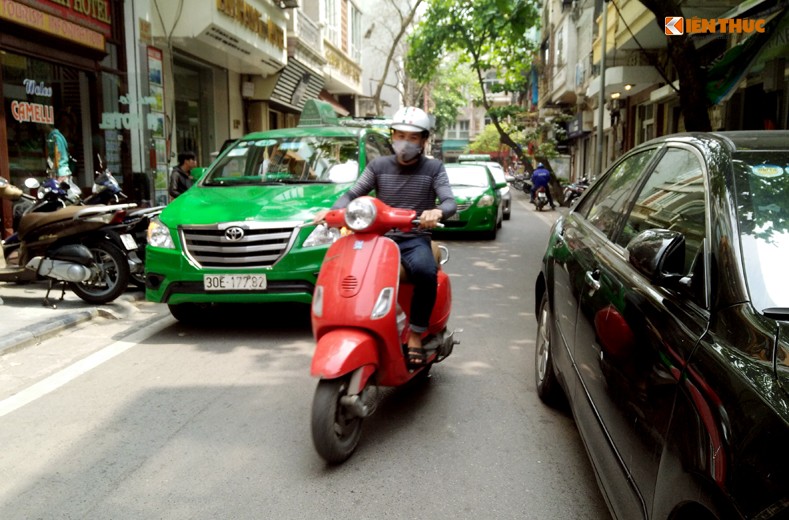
(112, 276)
(335, 431)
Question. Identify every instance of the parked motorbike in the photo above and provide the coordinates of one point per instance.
(540, 198)
(52, 245)
(574, 190)
(106, 189)
(360, 320)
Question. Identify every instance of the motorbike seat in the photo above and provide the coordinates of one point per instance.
(436, 255)
(34, 220)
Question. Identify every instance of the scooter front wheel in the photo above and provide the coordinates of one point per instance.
(335, 429)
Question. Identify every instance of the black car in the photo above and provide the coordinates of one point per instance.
(663, 318)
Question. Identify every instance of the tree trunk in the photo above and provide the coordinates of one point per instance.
(692, 77)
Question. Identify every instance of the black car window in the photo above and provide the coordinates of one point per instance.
(613, 195)
(672, 198)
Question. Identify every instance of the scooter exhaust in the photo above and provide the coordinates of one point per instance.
(59, 270)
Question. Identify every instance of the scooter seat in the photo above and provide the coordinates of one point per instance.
(436, 255)
(34, 220)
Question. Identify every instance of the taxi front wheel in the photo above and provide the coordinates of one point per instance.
(190, 313)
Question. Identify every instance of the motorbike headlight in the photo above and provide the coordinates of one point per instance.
(360, 214)
(159, 235)
(322, 235)
(486, 200)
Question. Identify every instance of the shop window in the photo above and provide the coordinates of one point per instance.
(38, 98)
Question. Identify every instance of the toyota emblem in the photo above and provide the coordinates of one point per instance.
(234, 234)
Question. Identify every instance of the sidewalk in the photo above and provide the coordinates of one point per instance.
(24, 320)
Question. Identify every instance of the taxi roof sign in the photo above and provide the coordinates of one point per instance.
(317, 113)
(474, 157)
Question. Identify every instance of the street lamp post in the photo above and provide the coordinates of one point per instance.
(601, 102)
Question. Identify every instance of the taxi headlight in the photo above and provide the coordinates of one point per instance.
(360, 214)
(485, 200)
(322, 235)
(159, 235)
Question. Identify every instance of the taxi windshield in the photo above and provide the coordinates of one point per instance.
(468, 176)
(290, 160)
(762, 191)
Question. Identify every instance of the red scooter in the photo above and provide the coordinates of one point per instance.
(361, 324)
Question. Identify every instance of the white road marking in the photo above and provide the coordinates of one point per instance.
(71, 372)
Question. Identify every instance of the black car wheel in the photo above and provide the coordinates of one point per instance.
(548, 388)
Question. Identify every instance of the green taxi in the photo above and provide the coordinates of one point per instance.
(243, 232)
(478, 197)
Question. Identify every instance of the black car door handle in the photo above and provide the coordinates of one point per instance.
(593, 281)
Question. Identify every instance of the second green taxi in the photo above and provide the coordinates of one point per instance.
(478, 198)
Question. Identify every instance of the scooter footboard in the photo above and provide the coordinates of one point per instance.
(342, 351)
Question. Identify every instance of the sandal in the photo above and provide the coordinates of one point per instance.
(416, 356)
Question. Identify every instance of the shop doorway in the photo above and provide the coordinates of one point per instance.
(194, 108)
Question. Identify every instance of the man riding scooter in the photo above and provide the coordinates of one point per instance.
(409, 180)
(540, 178)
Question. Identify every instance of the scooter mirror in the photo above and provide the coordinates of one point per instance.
(32, 184)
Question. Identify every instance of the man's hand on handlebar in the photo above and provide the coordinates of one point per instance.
(430, 218)
(319, 216)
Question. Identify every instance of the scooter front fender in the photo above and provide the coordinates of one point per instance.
(341, 351)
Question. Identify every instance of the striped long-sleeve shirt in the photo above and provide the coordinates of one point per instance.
(415, 186)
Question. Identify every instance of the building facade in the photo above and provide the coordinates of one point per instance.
(61, 69)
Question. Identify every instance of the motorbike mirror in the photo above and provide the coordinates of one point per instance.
(3, 182)
(31, 183)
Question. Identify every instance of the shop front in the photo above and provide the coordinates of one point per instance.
(59, 71)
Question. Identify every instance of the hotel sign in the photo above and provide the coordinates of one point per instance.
(22, 14)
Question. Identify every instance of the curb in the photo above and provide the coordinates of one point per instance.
(40, 331)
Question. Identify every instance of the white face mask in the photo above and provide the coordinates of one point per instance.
(406, 150)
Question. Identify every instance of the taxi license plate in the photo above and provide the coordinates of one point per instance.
(234, 282)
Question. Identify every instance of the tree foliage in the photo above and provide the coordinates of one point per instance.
(488, 34)
(451, 88)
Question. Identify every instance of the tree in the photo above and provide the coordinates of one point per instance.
(450, 92)
(489, 35)
(692, 76)
(405, 15)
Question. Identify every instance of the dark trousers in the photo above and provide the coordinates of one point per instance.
(417, 258)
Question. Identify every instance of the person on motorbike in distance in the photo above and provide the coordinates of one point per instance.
(540, 178)
(409, 180)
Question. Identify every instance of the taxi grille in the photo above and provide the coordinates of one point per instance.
(464, 206)
(238, 246)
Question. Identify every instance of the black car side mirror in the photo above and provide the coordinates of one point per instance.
(658, 254)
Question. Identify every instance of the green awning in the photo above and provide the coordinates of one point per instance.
(454, 145)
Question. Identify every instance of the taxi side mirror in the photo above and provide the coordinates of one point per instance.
(197, 173)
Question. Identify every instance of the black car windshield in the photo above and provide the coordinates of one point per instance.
(762, 184)
(291, 160)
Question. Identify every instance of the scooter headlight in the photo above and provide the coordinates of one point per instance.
(360, 214)
(159, 235)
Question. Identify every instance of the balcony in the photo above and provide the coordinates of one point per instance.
(305, 42)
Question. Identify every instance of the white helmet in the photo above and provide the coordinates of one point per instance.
(411, 119)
